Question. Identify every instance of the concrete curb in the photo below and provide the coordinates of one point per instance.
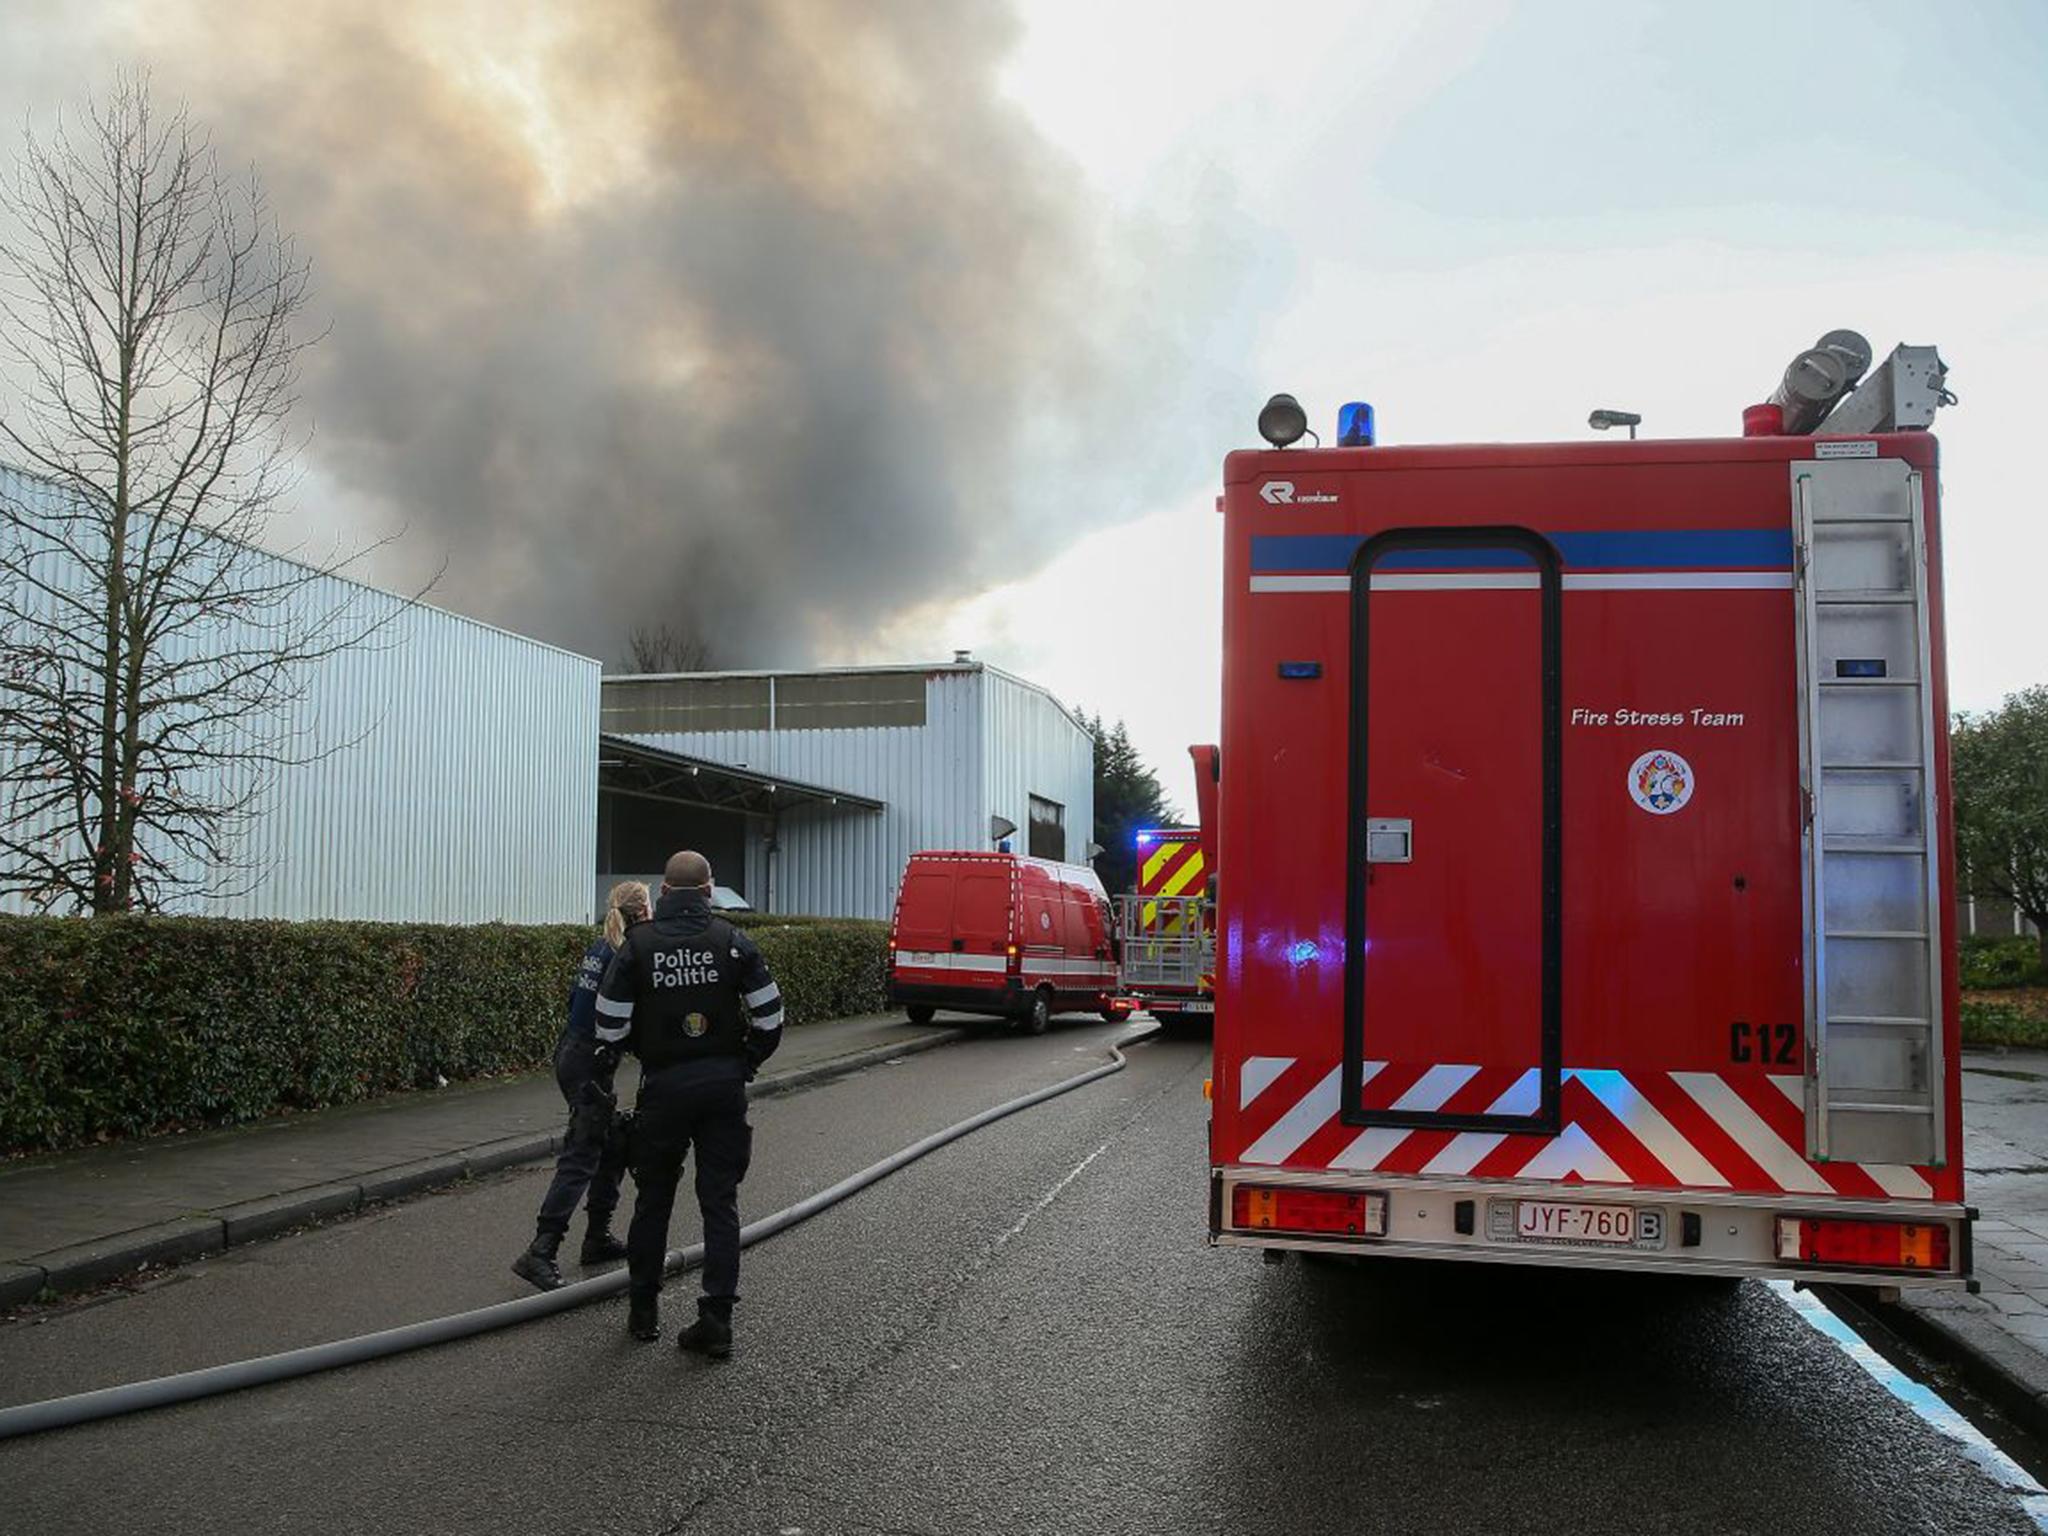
(841, 1066)
(83, 1264)
(191, 1237)
(254, 1219)
(510, 1152)
(1990, 1360)
(20, 1283)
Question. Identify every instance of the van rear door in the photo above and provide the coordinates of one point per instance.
(981, 911)
(924, 908)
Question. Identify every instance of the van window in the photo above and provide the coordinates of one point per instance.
(981, 910)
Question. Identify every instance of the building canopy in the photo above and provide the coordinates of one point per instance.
(629, 767)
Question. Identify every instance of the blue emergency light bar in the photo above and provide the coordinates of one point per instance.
(1355, 426)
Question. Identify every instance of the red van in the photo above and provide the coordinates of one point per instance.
(1002, 934)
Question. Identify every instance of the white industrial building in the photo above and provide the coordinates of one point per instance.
(810, 790)
(444, 771)
(453, 772)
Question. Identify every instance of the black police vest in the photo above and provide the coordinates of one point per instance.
(687, 1003)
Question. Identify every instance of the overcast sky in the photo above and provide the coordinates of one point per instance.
(1489, 219)
(1484, 219)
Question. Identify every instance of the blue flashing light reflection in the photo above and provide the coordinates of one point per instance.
(1302, 953)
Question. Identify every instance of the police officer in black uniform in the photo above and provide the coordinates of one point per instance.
(690, 996)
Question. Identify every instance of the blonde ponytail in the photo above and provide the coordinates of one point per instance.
(628, 903)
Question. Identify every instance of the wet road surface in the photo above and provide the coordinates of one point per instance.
(1023, 1333)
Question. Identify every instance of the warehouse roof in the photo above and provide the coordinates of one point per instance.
(961, 663)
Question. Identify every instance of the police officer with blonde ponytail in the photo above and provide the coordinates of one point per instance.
(583, 1071)
(690, 996)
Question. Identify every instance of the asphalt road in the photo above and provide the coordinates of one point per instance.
(1023, 1333)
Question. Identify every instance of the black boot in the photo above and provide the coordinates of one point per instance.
(599, 1246)
(711, 1334)
(643, 1318)
(537, 1266)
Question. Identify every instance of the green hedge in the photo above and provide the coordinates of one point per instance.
(2005, 962)
(129, 1026)
(2009, 1024)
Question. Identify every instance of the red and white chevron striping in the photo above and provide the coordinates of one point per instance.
(1689, 1130)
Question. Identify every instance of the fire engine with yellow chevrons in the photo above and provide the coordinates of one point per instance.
(1167, 924)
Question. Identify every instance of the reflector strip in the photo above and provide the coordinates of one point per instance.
(1287, 1134)
(1185, 876)
(1899, 1181)
(1258, 1074)
(1429, 1092)
(1158, 860)
(1895, 1179)
(1514, 581)
(1695, 1130)
(945, 960)
(1572, 1152)
(1469, 1148)
(1648, 1125)
(1746, 1128)
(1662, 549)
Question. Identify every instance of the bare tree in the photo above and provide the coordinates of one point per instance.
(667, 647)
(150, 649)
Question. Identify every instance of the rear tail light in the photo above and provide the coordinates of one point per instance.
(1258, 1208)
(1847, 1244)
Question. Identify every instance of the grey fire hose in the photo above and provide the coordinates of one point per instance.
(213, 1380)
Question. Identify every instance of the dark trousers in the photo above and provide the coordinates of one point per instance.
(583, 1164)
(679, 1109)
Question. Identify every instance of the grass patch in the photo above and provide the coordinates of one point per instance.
(2009, 1017)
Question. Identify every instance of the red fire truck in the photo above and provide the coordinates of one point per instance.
(1585, 848)
(1167, 925)
(1166, 930)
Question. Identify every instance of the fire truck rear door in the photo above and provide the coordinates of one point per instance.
(1454, 865)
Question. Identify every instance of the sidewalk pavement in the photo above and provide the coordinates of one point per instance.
(2000, 1336)
(76, 1219)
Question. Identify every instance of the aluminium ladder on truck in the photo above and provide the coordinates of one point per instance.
(1867, 765)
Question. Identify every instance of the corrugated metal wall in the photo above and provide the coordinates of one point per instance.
(454, 776)
(837, 862)
(1036, 748)
(987, 742)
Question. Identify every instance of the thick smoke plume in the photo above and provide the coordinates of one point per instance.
(736, 316)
